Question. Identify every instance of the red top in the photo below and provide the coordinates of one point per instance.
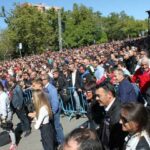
(143, 79)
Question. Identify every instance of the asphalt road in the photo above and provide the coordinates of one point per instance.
(32, 142)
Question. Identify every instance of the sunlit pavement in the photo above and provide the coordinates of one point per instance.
(32, 142)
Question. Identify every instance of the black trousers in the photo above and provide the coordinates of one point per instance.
(47, 135)
(23, 118)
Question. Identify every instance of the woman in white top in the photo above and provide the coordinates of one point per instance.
(43, 116)
(6, 116)
(135, 120)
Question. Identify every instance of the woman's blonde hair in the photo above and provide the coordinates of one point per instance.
(40, 99)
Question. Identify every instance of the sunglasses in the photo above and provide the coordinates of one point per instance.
(123, 119)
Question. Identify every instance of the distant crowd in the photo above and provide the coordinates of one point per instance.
(114, 80)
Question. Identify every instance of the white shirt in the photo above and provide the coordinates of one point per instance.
(108, 107)
(73, 78)
(4, 105)
(133, 141)
(46, 85)
(43, 117)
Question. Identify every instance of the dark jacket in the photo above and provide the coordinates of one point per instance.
(59, 83)
(77, 80)
(110, 133)
(132, 64)
(126, 92)
(95, 112)
(17, 97)
(95, 115)
(142, 144)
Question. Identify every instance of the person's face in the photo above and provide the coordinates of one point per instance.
(145, 66)
(11, 83)
(33, 75)
(81, 69)
(25, 76)
(119, 66)
(102, 97)
(126, 56)
(71, 67)
(86, 62)
(55, 75)
(127, 125)
(118, 78)
(71, 145)
(89, 95)
(36, 86)
(142, 54)
(44, 80)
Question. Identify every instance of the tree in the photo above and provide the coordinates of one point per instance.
(6, 45)
(31, 28)
(119, 26)
(38, 31)
(82, 27)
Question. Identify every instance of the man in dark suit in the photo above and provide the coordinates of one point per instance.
(110, 132)
(126, 92)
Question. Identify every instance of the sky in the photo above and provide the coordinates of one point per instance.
(135, 8)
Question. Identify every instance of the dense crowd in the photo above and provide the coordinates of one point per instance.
(114, 79)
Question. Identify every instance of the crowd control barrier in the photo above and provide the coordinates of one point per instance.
(69, 106)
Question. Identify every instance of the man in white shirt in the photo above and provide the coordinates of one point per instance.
(75, 84)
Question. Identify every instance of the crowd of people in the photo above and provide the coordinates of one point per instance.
(114, 79)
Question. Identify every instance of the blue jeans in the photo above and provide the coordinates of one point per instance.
(77, 100)
(58, 127)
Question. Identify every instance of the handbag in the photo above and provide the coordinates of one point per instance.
(8, 125)
(4, 138)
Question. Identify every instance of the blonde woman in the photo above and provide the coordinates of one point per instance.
(43, 115)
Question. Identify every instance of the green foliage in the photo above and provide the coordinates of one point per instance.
(31, 29)
(120, 26)
(82, 27)
(38, 31)
(6, 44)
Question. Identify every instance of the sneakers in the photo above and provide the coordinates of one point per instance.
(13, 147)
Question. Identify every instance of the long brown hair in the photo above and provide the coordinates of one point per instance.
(139, 114)
(39, 100)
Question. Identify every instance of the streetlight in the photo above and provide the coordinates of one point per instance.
(148, 11)
(60, 29)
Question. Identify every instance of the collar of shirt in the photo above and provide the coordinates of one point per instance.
(46, 85)
(108, 107)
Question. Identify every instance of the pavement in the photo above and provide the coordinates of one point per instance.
(32, 142)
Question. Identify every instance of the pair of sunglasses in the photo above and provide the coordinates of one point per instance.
(123, 119)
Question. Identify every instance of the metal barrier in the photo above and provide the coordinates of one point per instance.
(69, 107)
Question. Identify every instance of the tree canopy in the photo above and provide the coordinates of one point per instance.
(38, 31)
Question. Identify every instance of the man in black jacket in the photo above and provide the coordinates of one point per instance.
(110, 132)
(16, 96)
(59, 81)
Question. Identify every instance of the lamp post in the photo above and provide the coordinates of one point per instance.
(60, 29)
(148, 11)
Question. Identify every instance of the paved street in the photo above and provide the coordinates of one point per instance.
(32, 142)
